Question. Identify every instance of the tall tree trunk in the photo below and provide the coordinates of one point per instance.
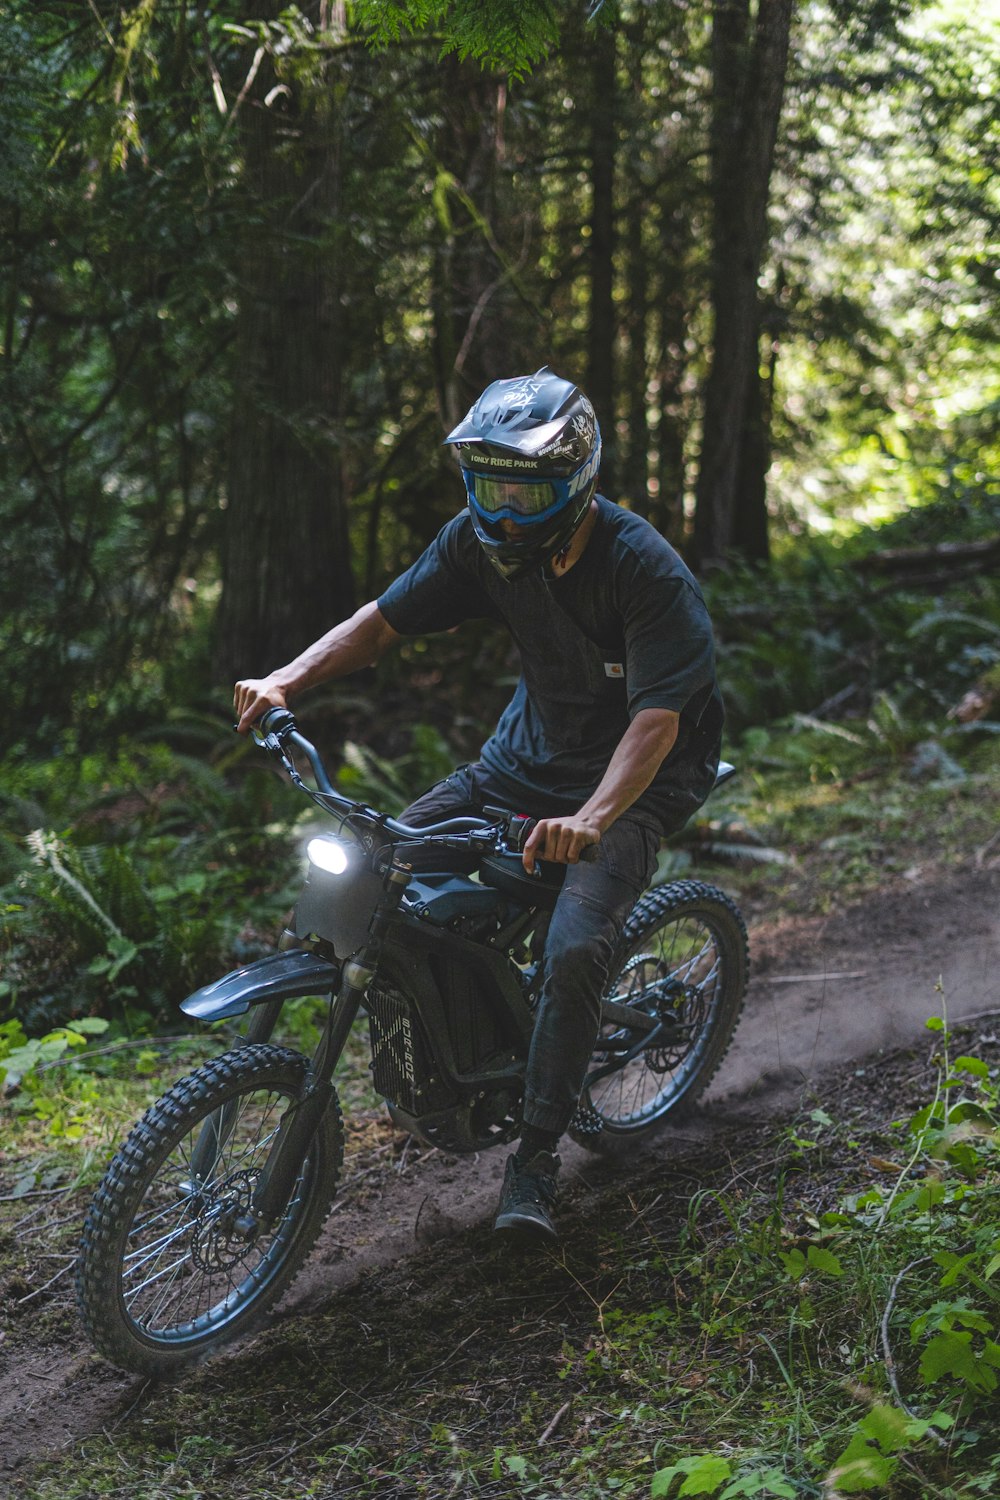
(286, 570)
(471, 295)
(674, 224)
(634, 470)
(634, 484)
(600, 352)
(749, 59)
(750, 536)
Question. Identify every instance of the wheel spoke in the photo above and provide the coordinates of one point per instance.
(151, 1251)
(677, 973)
(172, 1262)
(134, 1292)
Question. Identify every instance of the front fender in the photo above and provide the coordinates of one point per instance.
(279, 976)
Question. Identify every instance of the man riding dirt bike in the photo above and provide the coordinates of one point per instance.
(611, 740)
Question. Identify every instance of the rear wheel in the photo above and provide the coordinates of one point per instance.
(171, 1267)
(684, 960)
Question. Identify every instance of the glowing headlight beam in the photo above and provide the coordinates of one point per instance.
(328, 855)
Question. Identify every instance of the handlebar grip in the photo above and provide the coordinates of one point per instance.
(519, 829)
(278, 721)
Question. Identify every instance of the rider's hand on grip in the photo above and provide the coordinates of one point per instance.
(565, 841)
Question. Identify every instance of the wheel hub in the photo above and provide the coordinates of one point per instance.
(219, 1239)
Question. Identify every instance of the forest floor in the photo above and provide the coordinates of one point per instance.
(415, 1356)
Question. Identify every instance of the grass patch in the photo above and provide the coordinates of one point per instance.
(815, 821)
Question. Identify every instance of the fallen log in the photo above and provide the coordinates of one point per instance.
(941, 557)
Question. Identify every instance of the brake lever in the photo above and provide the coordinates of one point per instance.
(518, 830)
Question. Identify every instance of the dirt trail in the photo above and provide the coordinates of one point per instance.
(824, 992)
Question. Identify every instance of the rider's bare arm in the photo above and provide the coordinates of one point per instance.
(349, 646)
(640, 752)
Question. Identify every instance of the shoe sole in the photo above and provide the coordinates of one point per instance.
(525, 1228)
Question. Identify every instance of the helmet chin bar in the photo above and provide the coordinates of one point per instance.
(528, 553)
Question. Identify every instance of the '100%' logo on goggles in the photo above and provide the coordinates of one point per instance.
(526, 501)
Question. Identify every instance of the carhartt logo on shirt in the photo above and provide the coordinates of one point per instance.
(614, 669)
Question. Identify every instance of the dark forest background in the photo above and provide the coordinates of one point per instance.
(253, 268)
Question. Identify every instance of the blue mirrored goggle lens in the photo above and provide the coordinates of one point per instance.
(510, 499)
(527, 503)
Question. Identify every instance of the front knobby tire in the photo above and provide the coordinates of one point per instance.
(165, 1277)
(683, 958)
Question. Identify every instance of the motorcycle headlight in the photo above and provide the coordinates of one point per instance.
(328, 854)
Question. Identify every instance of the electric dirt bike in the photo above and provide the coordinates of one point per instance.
(436, 935)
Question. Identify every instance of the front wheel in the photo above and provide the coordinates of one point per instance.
(684, 960)
(168, 1270)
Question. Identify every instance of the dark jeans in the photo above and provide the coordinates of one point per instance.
(584, 930)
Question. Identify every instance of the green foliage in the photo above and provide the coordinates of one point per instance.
(942, 1213)
(706, 1474)
(392, 784)
(21, 1057)
(854, 1278)
(508, 34)
(165, 874)
(114, 332)
(457, 244)
(811, 631)
(873, 1455)
(883, 389)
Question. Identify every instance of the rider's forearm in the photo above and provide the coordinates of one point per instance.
(641, 751)
(354, 643)
(349, 646)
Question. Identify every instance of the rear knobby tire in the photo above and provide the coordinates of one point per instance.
(164, 1278)
(684, 958)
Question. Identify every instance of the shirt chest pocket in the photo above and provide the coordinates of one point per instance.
(586, 692)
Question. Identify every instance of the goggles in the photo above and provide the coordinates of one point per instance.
(527, 501)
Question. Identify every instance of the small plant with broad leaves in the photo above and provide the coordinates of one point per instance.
(938, 1232)
(21, 1056)
(710, 1474)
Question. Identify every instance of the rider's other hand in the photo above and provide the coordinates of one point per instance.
(561, 840)
(254, 696)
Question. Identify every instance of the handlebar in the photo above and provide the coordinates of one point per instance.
(277, 728)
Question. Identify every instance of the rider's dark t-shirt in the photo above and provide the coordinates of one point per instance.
(625, 629)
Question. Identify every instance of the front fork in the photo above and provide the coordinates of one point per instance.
(218, 1127)
(301, 1120)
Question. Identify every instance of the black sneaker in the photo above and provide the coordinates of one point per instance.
(528, 1195)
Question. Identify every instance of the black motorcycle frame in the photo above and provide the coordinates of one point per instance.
(434, 932)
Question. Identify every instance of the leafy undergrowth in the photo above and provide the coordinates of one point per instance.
(806, 1308)
(822, 814)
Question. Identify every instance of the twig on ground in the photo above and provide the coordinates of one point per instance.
(27, 1197)
(143, 1388)
(887, 1355)
(305, 1443)
(555, 1422)
(981, 853)
(808, 978)
(51, 1282)
(150, 1043)
(449, 1356)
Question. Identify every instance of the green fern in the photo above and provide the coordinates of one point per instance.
(511, 35)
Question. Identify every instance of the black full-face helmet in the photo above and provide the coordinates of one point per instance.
(530, 451)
